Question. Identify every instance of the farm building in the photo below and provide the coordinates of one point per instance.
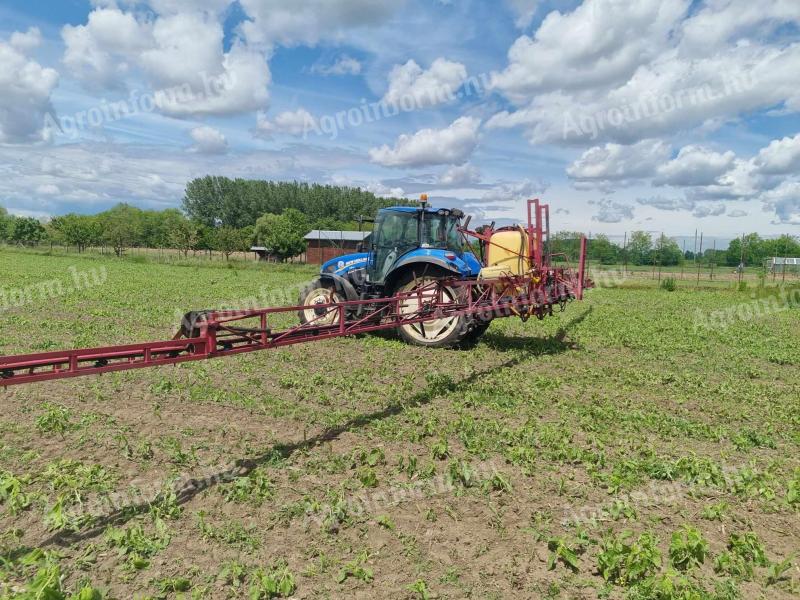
(324, 244)
(783, 264)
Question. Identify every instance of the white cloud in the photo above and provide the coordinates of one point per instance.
(694, 165)
(780, 157)
(99, 52)
(600, 43)
(452, 145)
(524, 10)
(647, 81)
(671, 204)
(25, 88)
(785, 201)
(26, 41)
(610, 211)
(515, 191)
(412, 87)
(738, 213)
(708, 210)
(343, 65)
(309, 21)
(182, 51)
(465, 174)
(297, 122)
(615, 162)
(723, 21)
(208, 140)
(383, 191)
(47, 189)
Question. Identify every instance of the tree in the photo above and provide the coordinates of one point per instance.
(27, 231)
(602, 250)
(566, 242)
(240, 202)
(229, 240)
(639, 247)
(77, 230)
(668, 251)
(183, 236)
(751, 254)
(282, 235)
(121, 227)
(6, 223)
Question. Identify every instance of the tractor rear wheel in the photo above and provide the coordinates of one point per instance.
(436, 333)
(312, 297)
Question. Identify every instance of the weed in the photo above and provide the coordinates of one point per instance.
(273, 582)
(561, 550)
(12, 493)
(669, 284)
(253, 489)
(55, 419)
(355, 568)
(136, 545)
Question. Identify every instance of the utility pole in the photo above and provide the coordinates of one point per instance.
(714, 258)
(625, 254)
(698, 264)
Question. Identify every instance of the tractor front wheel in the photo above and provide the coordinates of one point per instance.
(313, 300)
(443, 332)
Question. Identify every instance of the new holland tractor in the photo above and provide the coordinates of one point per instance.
(411, 247)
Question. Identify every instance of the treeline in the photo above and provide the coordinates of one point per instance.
(643, 249)
(218, 214)
(240, 203)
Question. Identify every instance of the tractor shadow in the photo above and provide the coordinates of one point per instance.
(521, 350)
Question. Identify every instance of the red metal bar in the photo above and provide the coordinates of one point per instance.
(219, 335)
(581, 270)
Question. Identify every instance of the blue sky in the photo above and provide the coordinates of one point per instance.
(663, 115)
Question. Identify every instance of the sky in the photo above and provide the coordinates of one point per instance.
(662, 115)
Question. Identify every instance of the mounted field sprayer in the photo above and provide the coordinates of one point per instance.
(418, 277)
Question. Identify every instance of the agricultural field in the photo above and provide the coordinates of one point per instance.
(643, 444)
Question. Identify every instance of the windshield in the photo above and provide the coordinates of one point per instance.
(395, 230)
(441, 231)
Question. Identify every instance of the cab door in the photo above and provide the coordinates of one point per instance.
(395, 234)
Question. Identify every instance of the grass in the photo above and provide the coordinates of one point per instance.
(617, 450)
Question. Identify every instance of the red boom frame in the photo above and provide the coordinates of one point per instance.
(212, 334)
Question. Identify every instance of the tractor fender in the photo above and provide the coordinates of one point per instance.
(343, 286)
(404, 265)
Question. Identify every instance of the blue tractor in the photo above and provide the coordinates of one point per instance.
(410, 247)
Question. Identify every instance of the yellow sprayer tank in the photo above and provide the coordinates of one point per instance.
(506, 253)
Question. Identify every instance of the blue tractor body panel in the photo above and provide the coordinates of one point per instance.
(342, 265)
(353, 267)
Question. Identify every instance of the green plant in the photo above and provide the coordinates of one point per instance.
(355, 568)
(777, 571)
(669, 284)
(420, 588)
(715, 512)
(625, 562)
(55, 419)
(276, 581)
(688, 548)
(12, 494)
(562, 551)
(253, 489)
(136, 545)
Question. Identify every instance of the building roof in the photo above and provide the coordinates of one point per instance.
(780, 260)
(337, 236)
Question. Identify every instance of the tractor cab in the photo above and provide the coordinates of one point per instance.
(406, 235)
